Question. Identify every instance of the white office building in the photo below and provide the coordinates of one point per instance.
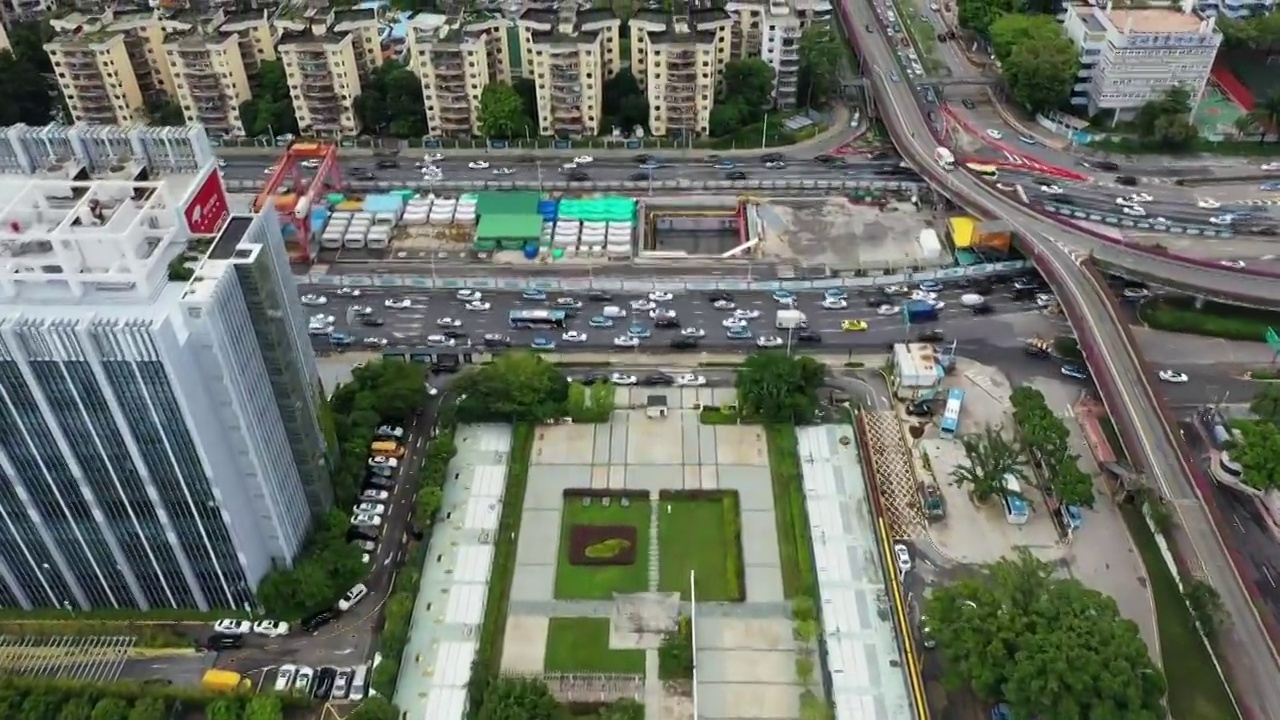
(66, 150)
(158, 438)
(1132, 56)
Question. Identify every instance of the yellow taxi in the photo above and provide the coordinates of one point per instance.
(853, 325)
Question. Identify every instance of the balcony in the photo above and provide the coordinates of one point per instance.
(565, 65)
(313, 71)
(565, 78)
(453, 101)
(450, 87)
(568, 114)
(456, 112)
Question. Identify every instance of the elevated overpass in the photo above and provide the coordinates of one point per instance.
(1068, 259)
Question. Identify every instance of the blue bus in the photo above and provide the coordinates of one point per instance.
(537, 319)
(951, 413)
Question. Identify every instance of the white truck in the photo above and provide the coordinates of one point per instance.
(790, 320)
(944, 158)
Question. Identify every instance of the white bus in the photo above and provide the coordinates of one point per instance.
(944, 158)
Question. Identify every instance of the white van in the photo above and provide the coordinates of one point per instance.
(353, 596)
(613, 311)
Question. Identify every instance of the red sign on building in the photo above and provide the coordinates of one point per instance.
(208, 210)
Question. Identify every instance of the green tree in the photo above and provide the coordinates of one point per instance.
(1050, 647)
(1070, 484)
(515, 698)
(1042, 433)
(223, 709)
(675, 652)
(326, 568)
(624, 709)
(26, 92)
(980, 15)
(1165, 121)
(625, 104)
(1266, 403)
(391, 103)
(264, 707)
(528, 92)
(427, 503)
(776, 388)
(149, 708)
(10, 703)
(375, 708)
(109, 709)
(726, 118)
(1041, 70)
(988, 458)
(749, 82)
(1266, 114)
(516, 386)
(1206, 606)
(166, 114)
(821, 53)
(40, 706)
(502, 114)
(1246, 125)
(1259, 32)
(270, 112)
(77, 708)
(27, 39)
(1011, 31)
(1259, 454)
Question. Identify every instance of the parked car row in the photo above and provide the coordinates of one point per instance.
(325, 683)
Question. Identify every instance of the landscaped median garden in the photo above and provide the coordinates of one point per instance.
(700, 531)
(604, 544)
(1230, 322)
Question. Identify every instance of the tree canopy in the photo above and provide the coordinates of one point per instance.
(270, 111)
(625, 104)
(980, 15)
(989, 459)
(1045, 440)
(745, 95)
(514, 387)
(376, 707)
(1259, 32)
(517, 698)
(502, 113)
(46, 699)
(24, 71)
(1258, 453)
(821, 53)
(1037, 59)
(1166, 121)
(390, 102)
(776, 388)
(1266, 402)
(1050, 647)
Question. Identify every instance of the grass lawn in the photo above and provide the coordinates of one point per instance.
(696, 534)
(581, 645)
(798, 574)
(600, 582)
(1195, 690)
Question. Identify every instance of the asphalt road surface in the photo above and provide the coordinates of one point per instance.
(411, 326)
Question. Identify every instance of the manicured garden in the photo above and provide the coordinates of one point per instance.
(604, 546)
(581, 645)
(1213, 319)
(700, 531)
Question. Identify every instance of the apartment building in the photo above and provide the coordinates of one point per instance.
(771, 30)
(26, 10)
(324, 80)
(1235, 9)
(455, 58)
(678, 60)
(110, 66)
(1132, 56)
(149, 429)
(366, 31)
(568, 54)
(210, 79)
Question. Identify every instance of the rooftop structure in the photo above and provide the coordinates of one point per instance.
(1132, 56)
(71, 151)
(158, 440)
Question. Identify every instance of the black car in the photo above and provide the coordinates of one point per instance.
(224, 641)
(372, 321)
(808, 336)
(454, 333)
(684, 343)
(387, 164)
(1106, 165)
(930, 336)
(667, 322)
(595, 377)
(942, 37)
(642, 159)
(920, 408)
(826, 159)
(773, 157)
(357, 532)
(367, 176)
(1126, 180)
(878, 300)
(315, 621)
(871, 28)
(377, 482)
(968, 104)
(735, 175)
(657, 379)
(639, 176)
(718, 295)
(578, 176)
(599, 296)
(983, 309)
(1035, 351)
(880, 155)
(324, 683)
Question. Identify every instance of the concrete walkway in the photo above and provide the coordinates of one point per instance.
(1196, 349)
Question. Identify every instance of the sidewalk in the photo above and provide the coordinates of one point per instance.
(837, 134)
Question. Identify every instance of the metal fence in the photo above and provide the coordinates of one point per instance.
(415, 282)
(373, 144)
(619, 185)
(1135, 223)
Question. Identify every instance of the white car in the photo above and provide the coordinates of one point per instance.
(923, 295)
(477, 306)
(887, 310)
(661, 296)
(583, 159)
(448, 322)
(352, 596)
(1233, 264)
(1045, 299)
(1134, 210)
(995, 134)
(273, 168)
(835, 304)
(1171, 376)
(366, 545)
(622, 379)
(693, 332)
(432, 157)
(639, 305)
(746, 314)
(315, 300)
(303, 679)
(503, 171)
(1140, 198)
(1136, 293)
(440, 341)
(271, 628)
(1271, 167)
(349, 292)
(903, 557)
(573, 336)
(1222, 219)
(690, 380)
(568, 302)
(723, 305)
(370, 508)
(284, 677)
(310, 164)
(232, 626)
(626, 341)
(732, 322)
(896, 290)
(397, 303)
(375, 495)
(322, 319)
(468, 295)
(478, 165)
(1051, 189)
(569, 166)
(1123, 202)
(769, 341)
(366, 520)
(659, 313)
(1208, 204)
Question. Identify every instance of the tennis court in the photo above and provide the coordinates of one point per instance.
(1216, 113)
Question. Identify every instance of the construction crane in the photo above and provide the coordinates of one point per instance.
(294, 196)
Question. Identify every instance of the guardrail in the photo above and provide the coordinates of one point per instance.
(638, 186)
(516, 284)
(1131, 222)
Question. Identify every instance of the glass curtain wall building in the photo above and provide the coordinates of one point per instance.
(159, 445)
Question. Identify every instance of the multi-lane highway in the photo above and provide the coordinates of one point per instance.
(412, 325)
(1062, 255)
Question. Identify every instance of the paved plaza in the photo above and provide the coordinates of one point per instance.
(739, 643)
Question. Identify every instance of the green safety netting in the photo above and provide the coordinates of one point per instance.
(604, 209)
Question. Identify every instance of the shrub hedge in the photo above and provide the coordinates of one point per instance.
(1213, 320)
